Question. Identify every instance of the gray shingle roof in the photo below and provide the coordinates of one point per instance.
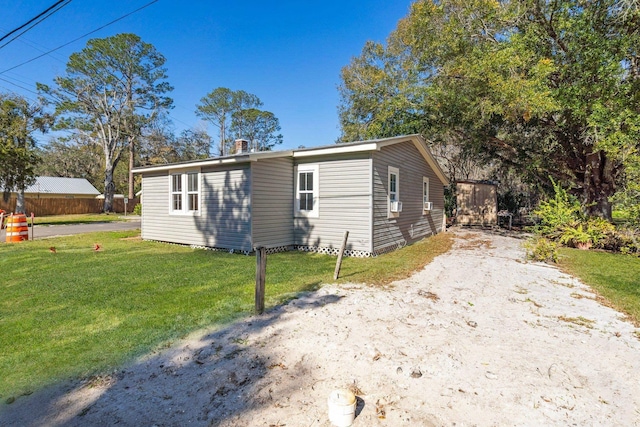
(59, 185)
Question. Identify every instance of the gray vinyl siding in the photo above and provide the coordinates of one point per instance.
(345, 204)
(272, 202)
(412, 223)
(155, 204)
(225, 213)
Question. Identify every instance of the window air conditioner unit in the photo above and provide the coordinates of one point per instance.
(428, 206)
(396, 207)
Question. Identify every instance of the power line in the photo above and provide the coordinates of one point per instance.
(81, 37)
(31, 20)
(17, 85)
(44, 14)
(52, 98)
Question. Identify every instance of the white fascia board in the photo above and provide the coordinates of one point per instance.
(248, 157)
(269, 155)
(338, 149)
(191, 165)
(391, 141)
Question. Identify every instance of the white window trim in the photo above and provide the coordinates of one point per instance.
(184, 175)
(392, 170)
(172, 193)
(425, 197)
(315, 213)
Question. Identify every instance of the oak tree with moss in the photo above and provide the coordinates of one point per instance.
(111, 90)
(550, 90)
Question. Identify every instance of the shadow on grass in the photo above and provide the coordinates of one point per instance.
(203, 381)
(350, 274)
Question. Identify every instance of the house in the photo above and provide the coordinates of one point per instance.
(57, 196)
(60, 187)
(386, 193)
(477, 203)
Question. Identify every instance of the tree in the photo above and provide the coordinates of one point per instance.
(72, 158)
(159, 145)
(258, 127)
(548, 89)
(112, 89)
(19, 119)
(219, 105)
(193, 144)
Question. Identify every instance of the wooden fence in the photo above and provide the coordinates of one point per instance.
(53, 206)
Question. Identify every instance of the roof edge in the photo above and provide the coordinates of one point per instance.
(350, 147)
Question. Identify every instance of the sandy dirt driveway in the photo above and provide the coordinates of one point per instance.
(480, 337)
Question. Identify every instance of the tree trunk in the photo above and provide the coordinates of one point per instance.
(20, 207)
(109, 189)
(600, 177)
(222, 138)
(131, 161)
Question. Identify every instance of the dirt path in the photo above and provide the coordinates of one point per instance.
(479, 337)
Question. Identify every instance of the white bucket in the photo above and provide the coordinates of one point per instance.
(342, 408)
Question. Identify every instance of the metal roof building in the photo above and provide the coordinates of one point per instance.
(53, 186)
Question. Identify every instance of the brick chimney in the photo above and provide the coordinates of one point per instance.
(242, 146)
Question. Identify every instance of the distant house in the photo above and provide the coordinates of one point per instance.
(60, 187)
(386, 193)
(57, 196)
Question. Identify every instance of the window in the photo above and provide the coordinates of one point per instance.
(393, 187)
(192, 191)
(185, 193)
(307, 200)
(425, 193)
(176, 192)
(305, 186)
(394, 205)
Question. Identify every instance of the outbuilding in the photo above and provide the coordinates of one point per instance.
(477, 203)
(386, 192)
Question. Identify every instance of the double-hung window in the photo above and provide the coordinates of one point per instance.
(307, 200)
(393, 185)
(193, 192)
(176, 192)
(185, 193)
(425, 194)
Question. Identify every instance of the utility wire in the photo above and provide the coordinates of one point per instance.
(81, 37)
(17, 85)
(44, 13)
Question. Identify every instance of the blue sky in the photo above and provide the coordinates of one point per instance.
(288, 53)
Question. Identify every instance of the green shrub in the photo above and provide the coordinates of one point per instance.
(557, 214)
(137, 210)
(542, 249)
(575, 235)
(598, 229)
(624, 239)
(591, 232)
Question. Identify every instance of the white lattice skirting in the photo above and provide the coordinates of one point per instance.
(278, 249)
(316, 249)
(333, 251)
(389, 248)
(231, 251)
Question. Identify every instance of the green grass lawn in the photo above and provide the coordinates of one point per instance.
(79, 312)
(76, 219)
(616, 277)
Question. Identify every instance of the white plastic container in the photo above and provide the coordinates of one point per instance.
(342, 408)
